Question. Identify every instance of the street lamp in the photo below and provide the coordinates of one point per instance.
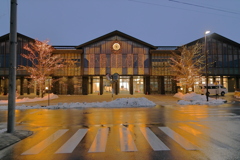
(206, 55)
(48, 94)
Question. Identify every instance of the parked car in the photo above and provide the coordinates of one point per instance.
(213, 89)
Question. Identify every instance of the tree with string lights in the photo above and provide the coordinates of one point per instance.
(188, 66)
(43, 63)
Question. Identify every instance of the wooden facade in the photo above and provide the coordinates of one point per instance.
(142, 67)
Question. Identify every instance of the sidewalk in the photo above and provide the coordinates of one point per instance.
(7, 139)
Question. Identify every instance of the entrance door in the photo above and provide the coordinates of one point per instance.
(107, 86)
(95, 85)
(124, 85)
(138, 84)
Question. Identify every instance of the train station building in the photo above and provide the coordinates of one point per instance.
(142, 68)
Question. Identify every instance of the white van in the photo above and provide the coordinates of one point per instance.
(214, 89)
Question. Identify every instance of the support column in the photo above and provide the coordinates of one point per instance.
(162, 85)
(5, 88)
(159, 84)
(101, 85)
(174, 86)
(131, 85)
(70, 86)
(91, 85)
(85, 85)
(55, 88)
(28, 88)
(116, 88)
(214, 80)
(1, 86)
(36, 92)
(221, 80)
(21, 85)
(147, 84)
(237, 82)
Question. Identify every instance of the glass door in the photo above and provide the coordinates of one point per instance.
(124, 85)
(107, 86)
(96, 88)
(138, 84)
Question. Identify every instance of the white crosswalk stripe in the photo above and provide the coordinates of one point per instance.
(126, 140)
(71, 144)
(100, 141)
(178, 138)
(45, 143)
(153, 140)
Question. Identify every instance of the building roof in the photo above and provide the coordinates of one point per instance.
(165, 51)
(167, 47)
(116, 33)
(64, 47)
(62, 51)
(217, 37)
(6, 36)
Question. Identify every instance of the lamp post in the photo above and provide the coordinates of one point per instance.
(47, 89)
(206, 55)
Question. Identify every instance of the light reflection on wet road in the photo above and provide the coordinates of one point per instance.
(188, 132)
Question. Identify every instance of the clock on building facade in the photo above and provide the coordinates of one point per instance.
(116, 47)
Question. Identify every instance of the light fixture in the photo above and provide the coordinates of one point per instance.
(207, 32)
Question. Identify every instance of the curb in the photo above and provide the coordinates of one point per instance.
(8, 139)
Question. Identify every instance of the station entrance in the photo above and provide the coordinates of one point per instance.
(125, 85)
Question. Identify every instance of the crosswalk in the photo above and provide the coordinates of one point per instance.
(126, 140)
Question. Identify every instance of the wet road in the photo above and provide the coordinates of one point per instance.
(171, 133)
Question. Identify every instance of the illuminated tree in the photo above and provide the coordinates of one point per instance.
(43, 63)
(188, 66)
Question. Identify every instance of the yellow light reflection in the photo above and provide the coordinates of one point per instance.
(190, 130)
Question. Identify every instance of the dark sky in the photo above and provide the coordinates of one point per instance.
(158, 22)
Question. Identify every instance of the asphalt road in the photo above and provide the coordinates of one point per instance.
(162, 132)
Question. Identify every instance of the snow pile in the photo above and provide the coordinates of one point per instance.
(51, 96)
(193, 98)
(120, 102)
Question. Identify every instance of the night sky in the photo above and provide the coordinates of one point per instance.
(158, 22)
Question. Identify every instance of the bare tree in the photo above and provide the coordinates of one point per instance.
(43, 63)
(188, 66)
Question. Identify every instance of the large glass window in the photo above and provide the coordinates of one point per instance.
(96, 83)
(160, 64)
(74, 70)
(154, 84)
(107, 86)
(137, 84)
(124, 85)
(168, 84)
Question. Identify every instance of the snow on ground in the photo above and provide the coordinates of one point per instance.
(51, 96)
(193, 98)
(120, 102)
